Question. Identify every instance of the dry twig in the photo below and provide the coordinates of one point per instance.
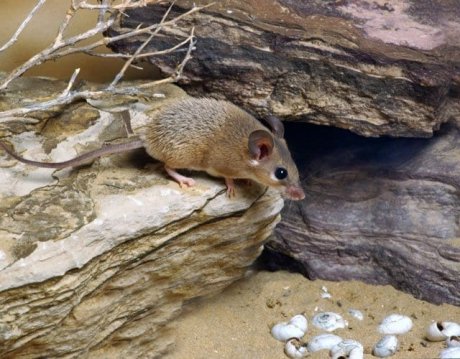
(23, 25)
(139, 50)
(108, 12)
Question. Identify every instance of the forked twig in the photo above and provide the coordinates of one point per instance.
(108, 12)
(65, 46)
(128, 63)
(187, 56)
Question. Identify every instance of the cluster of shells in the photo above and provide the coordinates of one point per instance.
(448, 332)
(292, 332)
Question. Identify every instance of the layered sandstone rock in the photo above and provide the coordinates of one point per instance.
(98, 261)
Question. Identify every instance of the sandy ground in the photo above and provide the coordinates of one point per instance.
(236, 323)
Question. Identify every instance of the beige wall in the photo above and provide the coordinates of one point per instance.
(39, 33)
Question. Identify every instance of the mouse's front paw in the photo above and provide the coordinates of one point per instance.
(182, 180)
(230, 187)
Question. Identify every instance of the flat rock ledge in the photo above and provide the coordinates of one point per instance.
(374, 67)
(97, 262)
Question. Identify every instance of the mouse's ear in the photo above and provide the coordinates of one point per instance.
(276, 125)
(260, 144)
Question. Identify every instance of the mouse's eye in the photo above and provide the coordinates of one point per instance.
(281, 173)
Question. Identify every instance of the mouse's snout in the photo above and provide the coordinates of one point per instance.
(295, 193)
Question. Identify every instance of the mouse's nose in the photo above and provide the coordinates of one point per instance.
(295, 193)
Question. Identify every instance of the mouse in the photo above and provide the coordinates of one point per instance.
(210, 135)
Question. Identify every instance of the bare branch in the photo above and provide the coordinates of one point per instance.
(120, 74)
(23, 25)
(70, 84)
(68, 97)
(187, 56)
(68, 17)
(175, 48)
(123, 6)
(61, 46)
(102, 12)
(137, 31)
(66, 47)
(52, 52)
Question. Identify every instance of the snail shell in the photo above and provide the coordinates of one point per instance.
(450, 353)
(295, 328)
(294, 348)
(395, 324)
(323, 341)
(386, 346)
(329, 321)
(453, 341)
(300, 321)
(439, 331)
(347, 348)
(357, 314)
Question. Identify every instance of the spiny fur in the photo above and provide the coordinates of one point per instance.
(212, 135)
(198, 133)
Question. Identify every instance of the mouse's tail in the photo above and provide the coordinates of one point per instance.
(82, 159)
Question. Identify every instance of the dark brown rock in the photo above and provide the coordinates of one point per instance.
(385, 211)
(374, 67)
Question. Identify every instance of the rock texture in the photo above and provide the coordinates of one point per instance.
(385, 211)
(375, 67)
(97, 262)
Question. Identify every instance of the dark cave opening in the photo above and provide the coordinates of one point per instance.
(374, 209)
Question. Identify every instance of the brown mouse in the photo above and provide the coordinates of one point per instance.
(209, 135)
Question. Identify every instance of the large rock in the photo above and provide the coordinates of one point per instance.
(385, 211)
(376, 67)
(96, 262)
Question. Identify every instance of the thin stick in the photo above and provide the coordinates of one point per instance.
(66, 98)
(121, 73)
(68, 17)
(23, 25)
(145, 54)
(101, 16)
(122, 6)
(70, 84)
(63, 48)
(187, 56)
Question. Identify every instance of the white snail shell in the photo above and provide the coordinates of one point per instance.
(386, 346)
(357, 314)
(323, 341)
(453, 341)
(295, 328)
(395, 324)
(347, 348)
(294, 348)
(300, 321)
(439, 331)
(329, 321)
(450, 353)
